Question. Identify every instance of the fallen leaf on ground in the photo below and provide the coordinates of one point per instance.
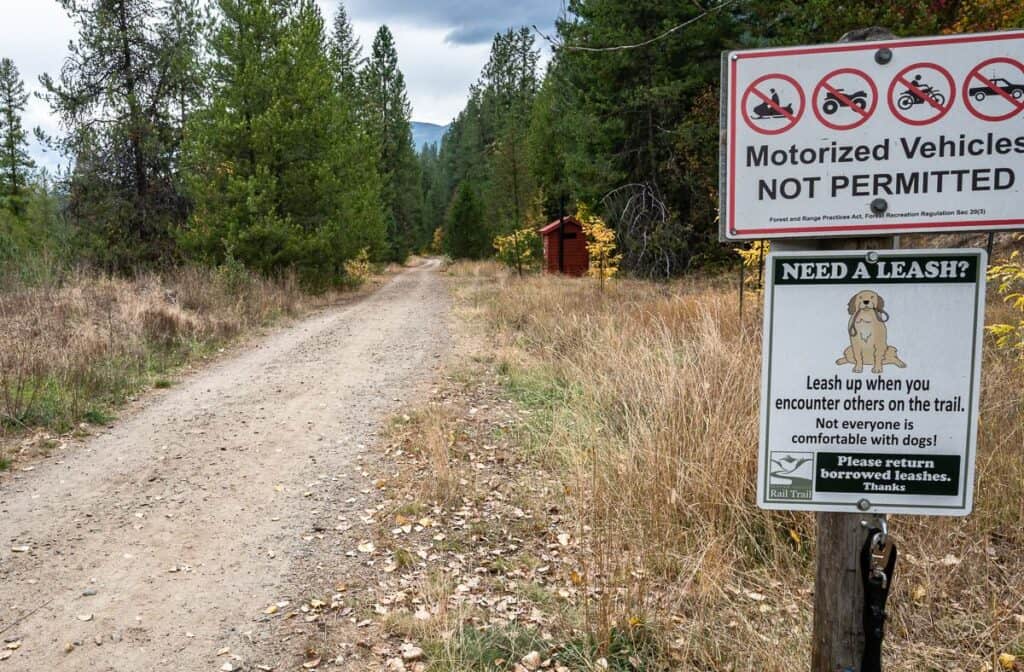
(531, 661)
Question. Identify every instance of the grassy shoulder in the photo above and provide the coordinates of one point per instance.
(588, 478)
(74, 349)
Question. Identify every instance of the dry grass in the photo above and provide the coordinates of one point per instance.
(74, 351)
(645, 404)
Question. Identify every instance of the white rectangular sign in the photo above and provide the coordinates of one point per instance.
(870, 379)
(854, 139)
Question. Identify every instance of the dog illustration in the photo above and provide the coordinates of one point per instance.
(869, 341)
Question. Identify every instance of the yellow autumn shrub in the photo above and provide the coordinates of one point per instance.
(518, 249)
(601, 245)
(1008, 277)
(753, 258)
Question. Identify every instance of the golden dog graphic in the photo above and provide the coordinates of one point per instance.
(869, 341)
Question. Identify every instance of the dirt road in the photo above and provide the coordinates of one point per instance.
(161, 541)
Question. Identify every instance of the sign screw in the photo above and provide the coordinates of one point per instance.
(863, 505)
(883, 56)
(879, 206)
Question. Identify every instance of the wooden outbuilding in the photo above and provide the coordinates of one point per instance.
(565, 247)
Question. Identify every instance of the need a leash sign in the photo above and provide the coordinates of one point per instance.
(870, 380)
(881, 137)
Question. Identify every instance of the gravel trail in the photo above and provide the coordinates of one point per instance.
(157, 543)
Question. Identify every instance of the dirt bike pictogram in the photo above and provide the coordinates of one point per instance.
(913, 95)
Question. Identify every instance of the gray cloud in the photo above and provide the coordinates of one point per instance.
(469, 22)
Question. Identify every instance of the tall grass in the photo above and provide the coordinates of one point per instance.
(652, 399)
(72, 348)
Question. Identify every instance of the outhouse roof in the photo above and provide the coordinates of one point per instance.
(553, 226)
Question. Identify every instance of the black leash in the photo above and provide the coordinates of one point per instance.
(877, 563)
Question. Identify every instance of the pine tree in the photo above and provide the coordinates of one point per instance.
(115, 97)
(548, 144)
(466, 235)
(15, 163)
(488, 144)
(509, 83)
(358, 168)
(346, 52)
(181, 46)
(280, 176)
(435, 195)
(387, 117)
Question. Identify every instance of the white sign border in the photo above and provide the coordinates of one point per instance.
(729, 101)
(970, 450)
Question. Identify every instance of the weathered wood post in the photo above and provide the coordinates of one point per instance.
(838, 635)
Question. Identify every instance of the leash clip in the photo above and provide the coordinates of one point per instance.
(877, 563)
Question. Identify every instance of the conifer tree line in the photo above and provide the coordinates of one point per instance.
(633, 132)
(261, 133)
(250, 131)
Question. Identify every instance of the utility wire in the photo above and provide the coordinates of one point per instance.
(624, 47)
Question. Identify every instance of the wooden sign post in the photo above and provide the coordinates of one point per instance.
(837, 640)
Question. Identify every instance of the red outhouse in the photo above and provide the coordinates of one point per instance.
(565, 247)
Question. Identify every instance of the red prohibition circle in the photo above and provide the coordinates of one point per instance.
(753, 89)
(976, 78)
(863, 114)
(900, 79)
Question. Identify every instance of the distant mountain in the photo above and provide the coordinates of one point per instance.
(424, 134)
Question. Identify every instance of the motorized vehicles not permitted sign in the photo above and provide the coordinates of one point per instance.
(854, 139)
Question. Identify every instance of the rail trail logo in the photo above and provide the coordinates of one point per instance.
(994, 89)
(869, 337)
(791, 475)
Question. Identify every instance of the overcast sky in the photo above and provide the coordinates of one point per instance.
(442, 44)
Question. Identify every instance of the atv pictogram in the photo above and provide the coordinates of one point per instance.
(833, 102)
